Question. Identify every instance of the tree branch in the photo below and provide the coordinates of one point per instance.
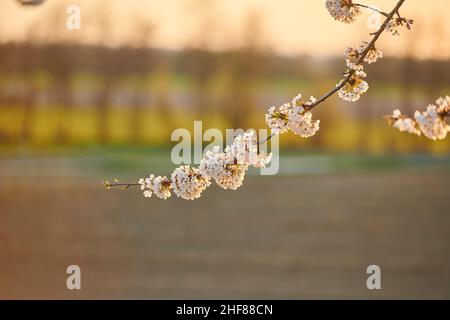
(362, 57)
(376, 36)
(371, 45)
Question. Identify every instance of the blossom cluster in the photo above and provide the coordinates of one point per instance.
(354, 87)
(293, 116)
(343, 10)
(355, 57)
(347, 11)
(431, 123)
(227, 169)
(396, 23)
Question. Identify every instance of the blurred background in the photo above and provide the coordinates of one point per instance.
(81, 106)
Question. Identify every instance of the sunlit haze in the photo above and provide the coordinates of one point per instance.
(285, 26)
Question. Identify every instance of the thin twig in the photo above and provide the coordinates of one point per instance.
(371, 8)
(117, 184)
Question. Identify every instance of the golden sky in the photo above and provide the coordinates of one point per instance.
(286, 26)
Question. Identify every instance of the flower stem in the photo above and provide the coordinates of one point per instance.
(371, 8)
(117, 184)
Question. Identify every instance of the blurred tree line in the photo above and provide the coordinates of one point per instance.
(60, 92)
(116, 93)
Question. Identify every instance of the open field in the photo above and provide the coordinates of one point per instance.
(298, 236)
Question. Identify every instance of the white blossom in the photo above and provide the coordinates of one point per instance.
(353, 56)
(343, 10)
(396, 23)
(432, 124)
(232, 176)
(300, 120)
(245, 150)
(223, 168)
(277, 119)
(142, 183)
(373, 54)
(147, 193)
(352, 59)
(404, 123)
(146, 185)
(228, 168)
(443, 105)
(262, 159)
(212, 161)
(297, 100)
(354, 88)
(189, 183)
(295, 117)
(159, 186)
